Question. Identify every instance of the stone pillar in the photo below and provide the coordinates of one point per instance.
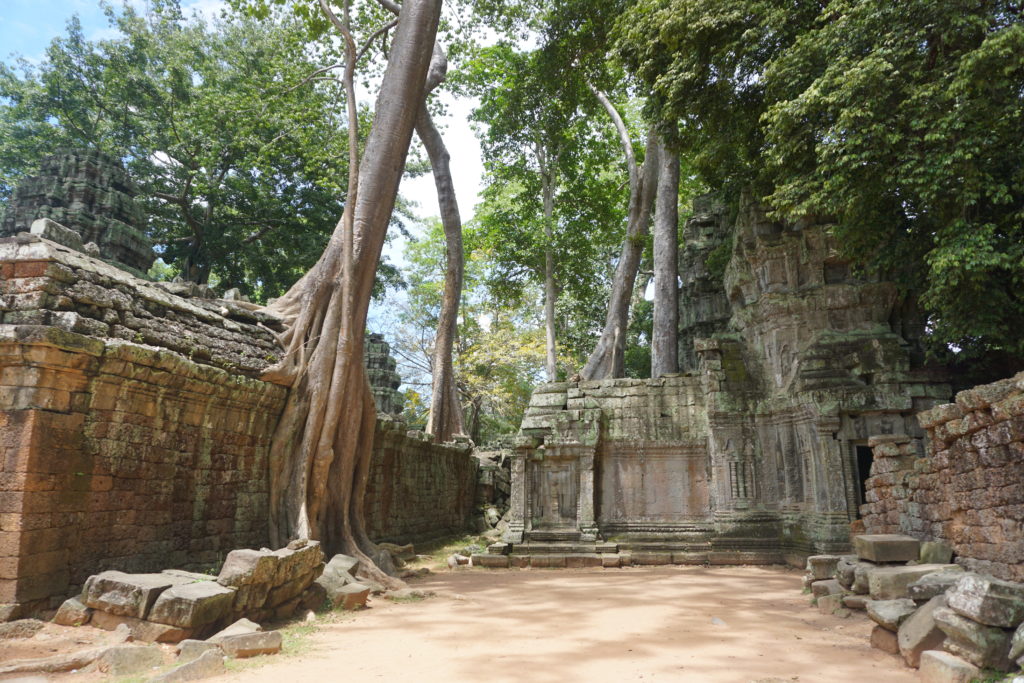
(517, 498)
(585, 508)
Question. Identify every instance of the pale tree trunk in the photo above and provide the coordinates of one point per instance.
(445, 418)
(665, 336)
(606, 361)
(550, 291)
(320, 453)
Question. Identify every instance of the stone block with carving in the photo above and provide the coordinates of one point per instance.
(988, 601)
(987, 647)
(822, 566)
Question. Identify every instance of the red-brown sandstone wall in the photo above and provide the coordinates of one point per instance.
(968, 488)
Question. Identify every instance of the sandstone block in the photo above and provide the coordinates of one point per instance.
(845, 567)
(240, 627)
(127, 595)
(146, 631)
(580, 560)
(884, 640)
(890, 583)
(930, 585)
(855, 601)
(243, 567)
(490, 561)
(886, 547)
(942, 667)
(191, 649)
(890, 613)
(349, 596)
(988, 601)
(919, 632)
(610, 560)
(935, 552)
(192, 605)
(822, 566)
(210, 663)
(72, 613)
(1017, 646)
(124, 660)
(252, 644)
(22, 628)
(987, 647)
(314, 597)
(826, 587)
(860, 578)
(828, 604)
(343, 563)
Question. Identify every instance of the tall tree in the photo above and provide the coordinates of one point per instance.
(665, 335)
(322, 445)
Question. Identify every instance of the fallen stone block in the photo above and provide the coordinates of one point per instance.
(858, 602)
(72, 613)
(884, 640)
(287, 592)
(822, 566)
(22, 628)
(886, 547)
(301, 557)
(350, 596)
(343, 563)
(124, 660)
(935, 552)
(252, 644)
(314, 597)
(826, 587)
(919, 632)
(828, 604)
(930, 585)
(1017, 646)
(127, 595)
(890, 614)
(55, 664)
(890, 583)
(942, 667)
(988, 601)
(192, 649)
(860, 578)
(208, 664)
(987, 647)
(192, 605)
(244, 567)
(845, 567)
(140, 629)
(240, 627)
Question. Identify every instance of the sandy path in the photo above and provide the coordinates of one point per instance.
(667, 623)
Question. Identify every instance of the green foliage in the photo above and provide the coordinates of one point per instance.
(242, 164)
(902, 122)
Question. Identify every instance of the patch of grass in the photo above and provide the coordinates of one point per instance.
(434, 554)
(413, 597)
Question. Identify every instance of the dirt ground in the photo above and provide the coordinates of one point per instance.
(723, 624)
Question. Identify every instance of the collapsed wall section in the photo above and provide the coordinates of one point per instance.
(962, 483)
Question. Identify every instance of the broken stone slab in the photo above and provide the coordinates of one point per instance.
(890, 613)
(240, 627)
(822, 566)
(140, 629)
(125, 660)
(884, 640)
(348, 596)
(252, 644)
(988, 601)
(886, 547)
(890, 583)
(206, 665)
(938, 666)
(930, 585)
(828, 604)
(126, 595)
(192, 605)
(299, 558)
(343, 563)
(845, 570)
(919, 632)
(858, 602)
(987, 647)
(52, 665)
(191, 649)
(826, 587)
(22, 628)
(935, 552)
(246, 567)
(55, 232)
(72, 613)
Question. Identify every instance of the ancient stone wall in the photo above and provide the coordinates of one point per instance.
(964, 487)
(417, 490)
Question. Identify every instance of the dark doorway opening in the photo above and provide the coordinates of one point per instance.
(864, 459)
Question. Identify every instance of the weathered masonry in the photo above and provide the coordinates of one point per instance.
(134, 433)
(758, 452)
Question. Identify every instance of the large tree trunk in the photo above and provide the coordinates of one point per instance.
(665, 337)
(322, 445)
(606, 360)
(445, 418)
(550, 290)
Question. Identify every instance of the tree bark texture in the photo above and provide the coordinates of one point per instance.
(550, 290)
(665, 337)
(445, 418)
(606, 361)
(320, 453)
